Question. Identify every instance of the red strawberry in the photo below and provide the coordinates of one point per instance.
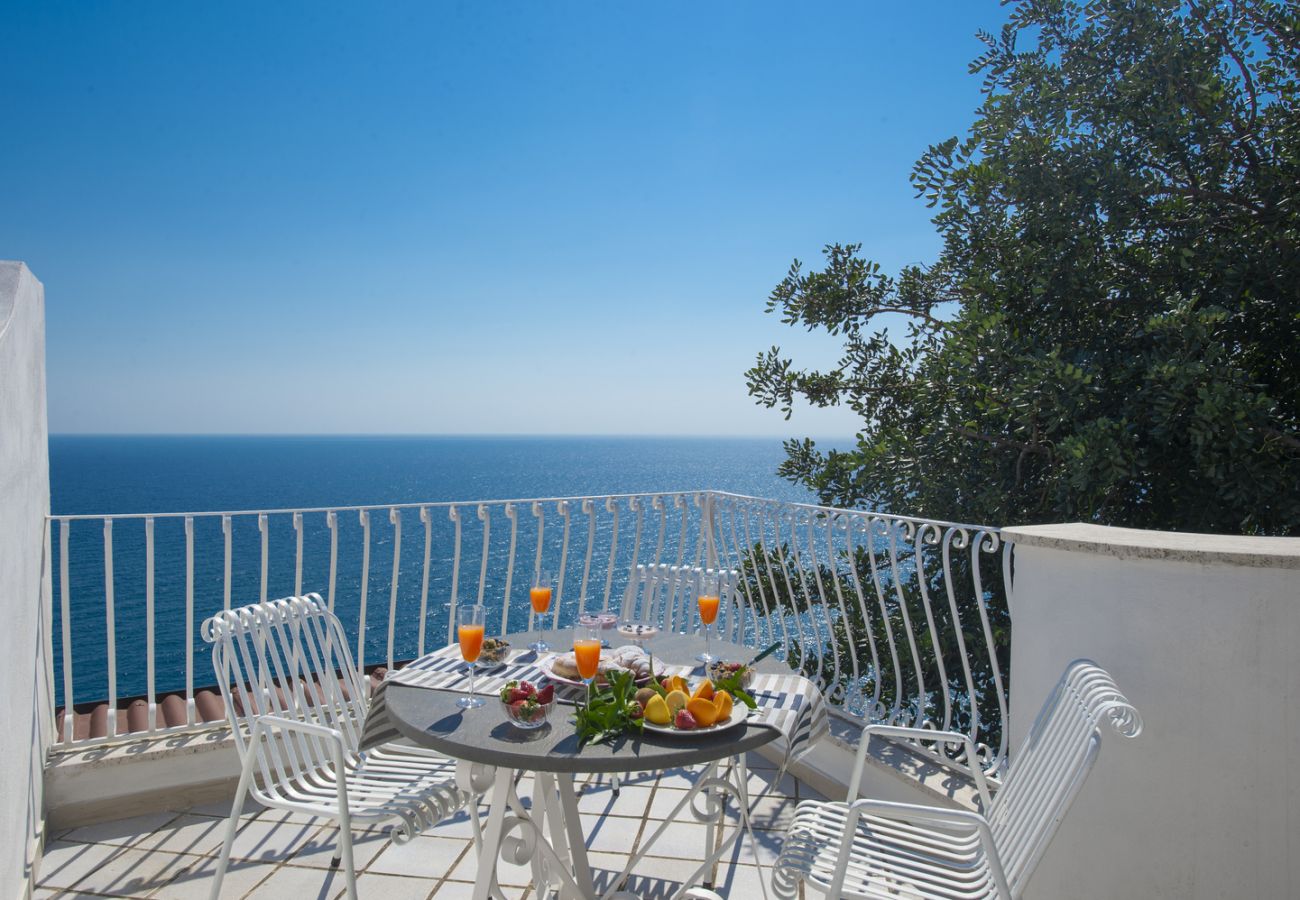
(517, 704)
(546, 694)
(517, 695)
(684, 721)
(527, 687)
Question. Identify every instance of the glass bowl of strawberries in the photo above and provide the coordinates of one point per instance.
(525, 705)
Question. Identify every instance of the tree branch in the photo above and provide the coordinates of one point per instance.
(995, 440)
(1287, 440)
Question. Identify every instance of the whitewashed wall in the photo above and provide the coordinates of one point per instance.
(24, 503)
(1203, 634)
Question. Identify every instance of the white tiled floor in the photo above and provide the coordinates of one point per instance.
(277, 855)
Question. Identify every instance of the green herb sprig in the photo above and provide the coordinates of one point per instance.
(732, 685)
(609, 711)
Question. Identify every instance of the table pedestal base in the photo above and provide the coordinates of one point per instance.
(559, 862)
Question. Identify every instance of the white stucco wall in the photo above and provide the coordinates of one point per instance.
(24, 503)
(1203, 634)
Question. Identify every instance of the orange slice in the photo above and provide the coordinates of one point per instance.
(722, 703)
(679, 684)
(704, 711)
(704, 691)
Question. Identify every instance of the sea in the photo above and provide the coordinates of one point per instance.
(114, 475)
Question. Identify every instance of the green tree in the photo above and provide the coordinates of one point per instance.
(1111, 332)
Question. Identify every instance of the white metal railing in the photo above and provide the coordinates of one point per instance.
(899, 618)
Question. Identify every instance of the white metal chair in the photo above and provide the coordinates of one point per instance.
(286, 666)
(878, 849)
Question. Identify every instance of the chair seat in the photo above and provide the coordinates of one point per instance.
(389, 782)
(890, 859)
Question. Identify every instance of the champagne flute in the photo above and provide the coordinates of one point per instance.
(539, 595)
(469, 631)
(708, 599)
(586, 652)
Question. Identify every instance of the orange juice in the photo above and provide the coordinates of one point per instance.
(708, 609)
(471, 641)
(588, 657)
(540, 598)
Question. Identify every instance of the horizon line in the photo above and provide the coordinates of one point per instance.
(418, 434)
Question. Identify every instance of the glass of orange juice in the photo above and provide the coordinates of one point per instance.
(586, 652)
(469, 631)
(708, 598)
(539, 595)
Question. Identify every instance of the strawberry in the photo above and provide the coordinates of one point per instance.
(518, 704)
(517, 695)
(684, 721)
(527, 687)
(546, 694)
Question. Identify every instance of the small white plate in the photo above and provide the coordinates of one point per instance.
(739, 713)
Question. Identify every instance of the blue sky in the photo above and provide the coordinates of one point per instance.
(456, 218)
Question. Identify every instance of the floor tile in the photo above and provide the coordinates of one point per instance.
(221, 808)
(766, 843)
(610, 833)
(393, 887)
(508, 875)
(458, 826)
(194, 881)
(133, 873)
(186, 834)
(680, 779)
(124, 832)
(629, 801)
(299, 883)
(680, 840)
(424, 857)
(772, 812)
(319, 852)
(742, 881)
(277, 841)
(464, 890)
(64, 864)
(665, 799)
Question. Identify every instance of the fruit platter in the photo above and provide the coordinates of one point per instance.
(676, 708)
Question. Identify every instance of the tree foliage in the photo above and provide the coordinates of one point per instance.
(1111, 332)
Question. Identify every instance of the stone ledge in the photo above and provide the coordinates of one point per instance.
(97, 783)
(1136, 543)
(894, 771)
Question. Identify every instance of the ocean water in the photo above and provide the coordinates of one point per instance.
(132, 474)
(113, 475)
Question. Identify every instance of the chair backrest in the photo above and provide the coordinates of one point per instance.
(287, 658)
(1055, 758)
(665, 596)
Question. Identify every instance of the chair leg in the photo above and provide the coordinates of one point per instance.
(345, 822)
(232, 826)
(338, 851)
(345, 845)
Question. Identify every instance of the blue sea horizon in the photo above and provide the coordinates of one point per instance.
(132, 474)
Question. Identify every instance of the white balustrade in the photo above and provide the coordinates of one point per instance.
(897, 617)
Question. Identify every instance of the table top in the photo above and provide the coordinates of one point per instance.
(430, 718)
